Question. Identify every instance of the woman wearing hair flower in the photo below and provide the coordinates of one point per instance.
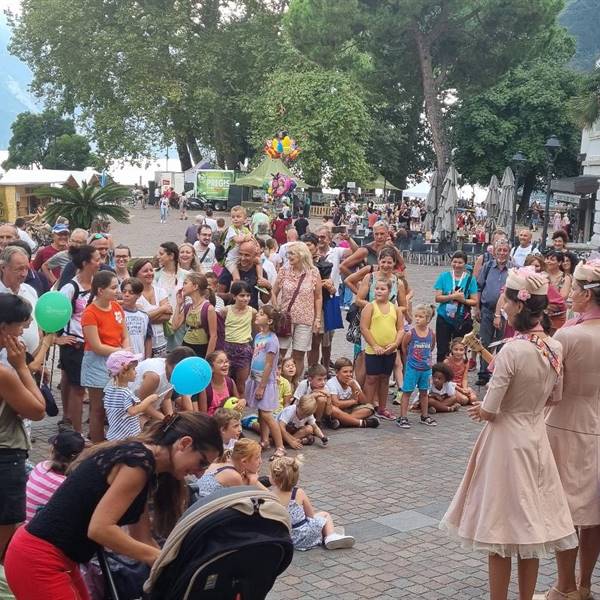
(573, 428)
(510, 502)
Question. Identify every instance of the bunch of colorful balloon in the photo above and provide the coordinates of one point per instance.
(282, 146)
(281, 185)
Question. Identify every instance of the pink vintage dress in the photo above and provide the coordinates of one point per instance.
(573, 425)
(510, 501)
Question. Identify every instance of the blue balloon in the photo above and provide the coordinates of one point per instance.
(191, 376)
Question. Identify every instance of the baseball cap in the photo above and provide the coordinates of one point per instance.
(60, 228)
(119, 360)
(68, 442)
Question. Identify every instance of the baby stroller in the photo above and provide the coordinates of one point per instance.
(231, 545)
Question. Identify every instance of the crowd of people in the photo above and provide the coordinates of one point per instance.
(261, 300)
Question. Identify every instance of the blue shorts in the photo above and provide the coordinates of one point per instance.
(415, 379)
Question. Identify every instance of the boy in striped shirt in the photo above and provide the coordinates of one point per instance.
(122, 407)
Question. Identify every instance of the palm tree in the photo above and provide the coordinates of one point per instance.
(586, 108)
(83, 205)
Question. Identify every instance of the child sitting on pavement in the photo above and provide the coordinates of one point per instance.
(459, 364)
(298, 424)
(442, 391)
(230, 427)
(309, 528)
(314, 384)
(349, 404)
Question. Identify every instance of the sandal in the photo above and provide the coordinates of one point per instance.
(264, 445)
(279, 453)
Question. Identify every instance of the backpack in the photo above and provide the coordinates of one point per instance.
(220, 325)
(77, 291)
(230, 391)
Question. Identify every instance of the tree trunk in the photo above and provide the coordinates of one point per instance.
(433, 108)
(193, 147)
(528, 185)
(184, 155)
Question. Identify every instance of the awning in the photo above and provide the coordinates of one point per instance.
(265, 172)
(583, 185)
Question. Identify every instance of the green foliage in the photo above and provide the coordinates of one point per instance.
(519, 113)
(83, 205)
(585, 108)
(46, 140)
(327, 116)
(582, 20)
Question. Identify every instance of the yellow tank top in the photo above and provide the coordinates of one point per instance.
(383, 326)
(238, 328)
(195, 333)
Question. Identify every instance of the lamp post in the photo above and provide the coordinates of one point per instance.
(552, 147)
(518, 160)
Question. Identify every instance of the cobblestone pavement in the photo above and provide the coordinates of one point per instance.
(387, 487)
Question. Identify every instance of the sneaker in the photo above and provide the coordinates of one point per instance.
(403, 422)
(332, 423)
(386, 414)
(336, 541)
(371, 422)
(428, 421)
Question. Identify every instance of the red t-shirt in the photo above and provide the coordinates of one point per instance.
(109, 324)
(42, 255)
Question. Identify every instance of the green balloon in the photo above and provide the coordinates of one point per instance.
(52, 312)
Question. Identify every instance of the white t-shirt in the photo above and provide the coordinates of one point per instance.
(212, 223)
(31, 335)
(283, 253)
(138, 323)
(415, 212)
(74, 327)
(302, 389)
(289, 417)
(152, 365)
(333, 386)
(269, 269)
(209, 260)
(335, 256)
(448, 389)
(25, 237)
(159, 341)
(519, 254)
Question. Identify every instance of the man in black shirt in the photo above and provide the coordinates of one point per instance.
(301, 225)
(247, 269)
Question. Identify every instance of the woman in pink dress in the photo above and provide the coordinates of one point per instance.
(510, 502)
(573, 428)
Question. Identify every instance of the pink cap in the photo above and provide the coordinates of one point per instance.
(119, 360)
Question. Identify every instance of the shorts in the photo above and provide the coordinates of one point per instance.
(414, 379)
(356, 407)
(239, 355)
(199, 349)
(13, 476)
(382, 364)
(70, 362)
(94, 373)
(300, 340)
(248, 421)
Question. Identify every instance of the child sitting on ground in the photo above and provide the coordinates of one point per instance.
(241, 468)
(298, 424)
(349, 404)
(442, 392)
(309, 529)
(459, 365)
(314, 384)
(48, 475)
(230, 427)
(123, 409)
(221, 386)
(417, 349)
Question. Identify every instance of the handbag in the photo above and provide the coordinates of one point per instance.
(284, 328)
(51, 407)
(353, 335)
(463, 321)
(332, 314)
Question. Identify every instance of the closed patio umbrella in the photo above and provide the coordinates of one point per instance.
(446, 215)
(505, 205)
(431, 203)
(491, 204)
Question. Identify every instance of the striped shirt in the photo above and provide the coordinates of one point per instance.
(121, 424)
(41, 485)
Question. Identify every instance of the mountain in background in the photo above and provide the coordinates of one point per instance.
(582, 19)
(14, 81)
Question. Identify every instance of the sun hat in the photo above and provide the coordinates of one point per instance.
(588, 270)
(527, 282)
(119, 360)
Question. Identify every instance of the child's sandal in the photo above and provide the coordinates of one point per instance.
(279, 453)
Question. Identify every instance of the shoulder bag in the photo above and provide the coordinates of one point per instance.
(284, 329)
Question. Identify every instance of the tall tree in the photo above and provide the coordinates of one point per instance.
(46, 140)
(519, 113)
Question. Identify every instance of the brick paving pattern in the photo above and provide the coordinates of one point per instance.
(387, 487)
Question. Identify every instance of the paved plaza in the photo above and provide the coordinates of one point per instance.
(388, 487)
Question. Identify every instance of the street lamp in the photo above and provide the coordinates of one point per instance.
(519, 161)
(552, 147)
